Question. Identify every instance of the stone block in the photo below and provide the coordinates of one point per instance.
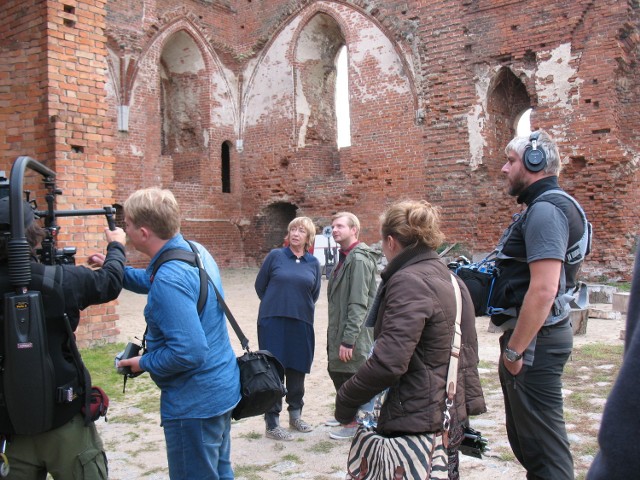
(601, 293)
(604, 312)
(579, 318)
(620, 302)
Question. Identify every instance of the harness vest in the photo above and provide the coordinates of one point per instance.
(511, 260)
(69, 379)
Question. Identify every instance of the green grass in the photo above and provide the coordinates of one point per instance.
(324, 446)
(290, 457)
(100, 362)
(251, 435)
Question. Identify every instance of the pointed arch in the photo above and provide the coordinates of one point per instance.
(507, 99)
(297, 20)
(157, 41)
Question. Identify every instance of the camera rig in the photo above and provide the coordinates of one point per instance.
(48, 254)
(25, 360)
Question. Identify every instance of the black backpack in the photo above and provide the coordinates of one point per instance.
(43, 381)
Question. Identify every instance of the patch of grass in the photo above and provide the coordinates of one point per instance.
(621, 286)
(324, 446)
(598, 352)
(251, 435)
(578, 401)
(250, 472)
(487, 365)
(290, 457)
(506, 455)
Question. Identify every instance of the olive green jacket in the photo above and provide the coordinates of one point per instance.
(350, 293)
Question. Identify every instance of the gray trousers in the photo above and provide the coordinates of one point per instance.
(534, 407)
(294, 381)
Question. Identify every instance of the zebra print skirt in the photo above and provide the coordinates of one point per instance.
(407, 457)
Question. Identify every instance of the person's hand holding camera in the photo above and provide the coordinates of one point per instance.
(133, 363)
(118, 235)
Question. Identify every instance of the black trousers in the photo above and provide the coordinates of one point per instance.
(294, 382)
(534, 407)
(339, 378)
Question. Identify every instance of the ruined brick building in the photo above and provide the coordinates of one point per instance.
(231, 104)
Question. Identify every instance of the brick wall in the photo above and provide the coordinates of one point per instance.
(124, 95)
(54, 110)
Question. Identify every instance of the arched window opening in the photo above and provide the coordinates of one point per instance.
(225, 167)
(523, 123)
(343, 113)
(317, 48)
(183, 86)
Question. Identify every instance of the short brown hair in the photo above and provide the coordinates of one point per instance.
(156, 209)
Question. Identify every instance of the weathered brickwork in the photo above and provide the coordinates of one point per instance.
(230, 103)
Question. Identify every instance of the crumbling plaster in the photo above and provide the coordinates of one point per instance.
(272, 78)
(556, 83)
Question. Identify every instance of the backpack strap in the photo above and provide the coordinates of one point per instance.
(578, 297)
(580, 249)
(193, 258)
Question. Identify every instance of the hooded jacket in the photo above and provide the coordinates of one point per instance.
(350, 293)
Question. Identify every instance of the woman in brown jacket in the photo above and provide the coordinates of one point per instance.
(414, 317)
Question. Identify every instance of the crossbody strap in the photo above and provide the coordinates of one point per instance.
(456, 342)
(194, 258)
(452, 374)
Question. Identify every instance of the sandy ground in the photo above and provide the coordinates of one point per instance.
(138, 451)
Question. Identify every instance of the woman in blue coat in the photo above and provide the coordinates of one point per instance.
(288, 285)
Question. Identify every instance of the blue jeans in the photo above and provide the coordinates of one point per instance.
(199, 448)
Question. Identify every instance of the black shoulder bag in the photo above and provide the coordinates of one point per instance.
(261, 374)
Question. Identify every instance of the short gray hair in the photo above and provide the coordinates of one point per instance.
(548, 146)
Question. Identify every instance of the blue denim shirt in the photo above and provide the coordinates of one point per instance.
(189, 356)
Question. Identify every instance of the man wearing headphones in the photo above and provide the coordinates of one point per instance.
(538, 258)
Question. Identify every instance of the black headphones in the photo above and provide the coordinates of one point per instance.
(534, 158)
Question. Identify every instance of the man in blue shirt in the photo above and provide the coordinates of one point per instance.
(189, 355)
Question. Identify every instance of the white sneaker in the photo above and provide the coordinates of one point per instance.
(345, 433)
(332, 422)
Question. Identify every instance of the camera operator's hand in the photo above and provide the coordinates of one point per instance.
(116, 235)
(97, 260)
(133, 363)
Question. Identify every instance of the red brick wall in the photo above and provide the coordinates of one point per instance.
(53, 59)
(434, 94)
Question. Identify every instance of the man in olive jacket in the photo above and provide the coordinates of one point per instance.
(351, 289)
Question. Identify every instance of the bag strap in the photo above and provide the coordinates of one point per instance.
(194, 258)
(456, 342)
(452, 374)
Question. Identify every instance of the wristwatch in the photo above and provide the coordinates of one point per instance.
(511, 355)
